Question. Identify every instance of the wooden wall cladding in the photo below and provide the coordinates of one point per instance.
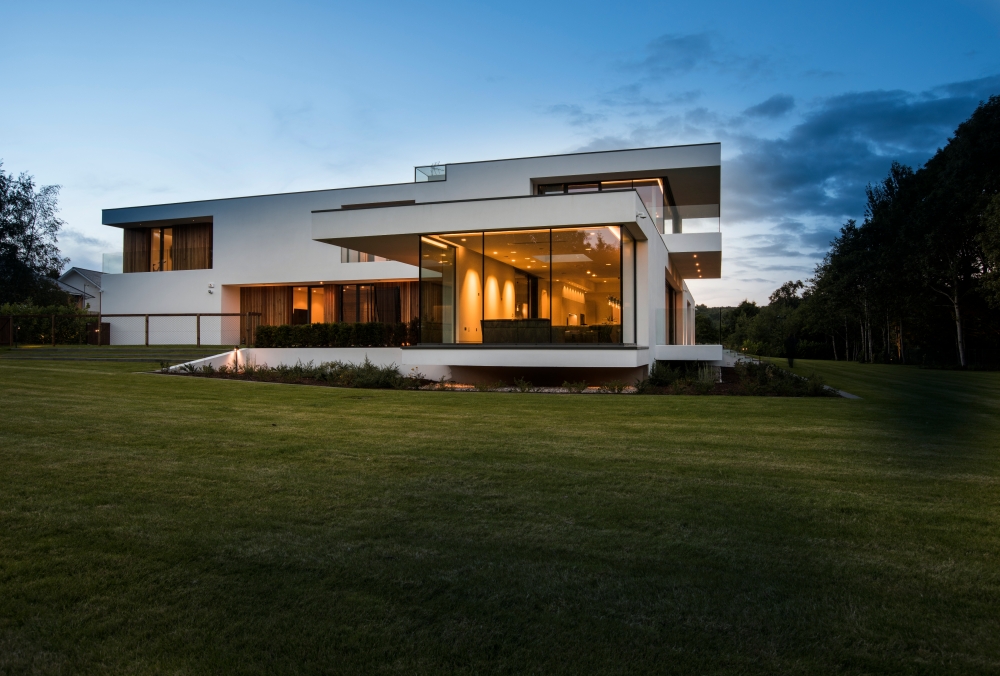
(274, 303)
(136, 250)
(193, 247)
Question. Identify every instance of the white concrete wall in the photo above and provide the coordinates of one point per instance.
(268, 239)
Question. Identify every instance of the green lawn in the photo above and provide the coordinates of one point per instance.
(157, 524)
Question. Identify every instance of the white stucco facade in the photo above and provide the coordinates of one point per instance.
(296, 238)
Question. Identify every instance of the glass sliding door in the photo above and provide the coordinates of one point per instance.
(437, 291)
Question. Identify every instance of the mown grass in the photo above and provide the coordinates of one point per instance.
(158, 524)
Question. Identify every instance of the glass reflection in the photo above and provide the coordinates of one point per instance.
(527, 286)
(586, 285)
(437, 291)
(516, 295)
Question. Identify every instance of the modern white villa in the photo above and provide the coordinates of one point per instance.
(565, 264)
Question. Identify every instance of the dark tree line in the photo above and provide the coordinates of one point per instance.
(918, 281)
(29, 255)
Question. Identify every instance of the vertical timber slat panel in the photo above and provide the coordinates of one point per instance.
(136, 250)
(193, 247)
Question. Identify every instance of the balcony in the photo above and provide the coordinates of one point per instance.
(696, 255)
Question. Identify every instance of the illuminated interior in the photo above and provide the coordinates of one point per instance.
(564, 285)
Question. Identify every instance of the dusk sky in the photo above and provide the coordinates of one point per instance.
(126, 104)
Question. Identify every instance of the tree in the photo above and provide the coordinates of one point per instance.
(956, 187)
(989, 240)
(787, 294)
(29, 255)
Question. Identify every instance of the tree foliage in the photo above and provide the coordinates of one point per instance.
(29, 228)
(918, 281)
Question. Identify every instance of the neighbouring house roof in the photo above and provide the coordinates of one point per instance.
(92, 276)
(72, 290)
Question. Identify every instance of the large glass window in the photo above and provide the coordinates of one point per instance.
(300, 305)
(468, 260)
(628, 287)
(586, 285)
(516, 307)
(437, 291)
(317, 305)
(650, 190)
(565, 285)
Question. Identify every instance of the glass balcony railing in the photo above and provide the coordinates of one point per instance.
(692, 218)
(111, 263)
(434, 172)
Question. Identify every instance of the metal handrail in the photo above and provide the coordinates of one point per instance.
(250, 329)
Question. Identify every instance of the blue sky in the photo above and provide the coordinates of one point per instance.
(138, 103)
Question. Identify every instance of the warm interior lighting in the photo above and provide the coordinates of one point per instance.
(431, 241)
(616, 232)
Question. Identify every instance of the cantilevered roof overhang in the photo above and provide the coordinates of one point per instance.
(393, 231)
(696, 255)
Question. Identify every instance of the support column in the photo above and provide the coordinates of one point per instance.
(197, 323)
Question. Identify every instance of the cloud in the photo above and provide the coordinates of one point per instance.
(675, 54)
(576, 115)
(821, 166)
(80, 239)
(822, 74)
(672, 54)
(632, 96)
(776, 106)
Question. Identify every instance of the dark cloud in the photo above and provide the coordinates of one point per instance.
(776, 106)
(822, 165)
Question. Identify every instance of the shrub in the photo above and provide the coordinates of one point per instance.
(71, 323)
(490, 386)
(522, 385)
(337, 373)
(339, 334)
(764, 379)
(575, 388)
(613, 387)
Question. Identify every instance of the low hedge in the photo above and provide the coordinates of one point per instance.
(71, 323)
(341, 334)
